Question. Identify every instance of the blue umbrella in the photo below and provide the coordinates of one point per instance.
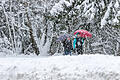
(63, 37)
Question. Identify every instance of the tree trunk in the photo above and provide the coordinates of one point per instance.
(32, 40)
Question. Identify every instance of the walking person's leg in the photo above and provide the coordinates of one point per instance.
(65, 52)
(78, 51)
(81, 51)
(70, 53)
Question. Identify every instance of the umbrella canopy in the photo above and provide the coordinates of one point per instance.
(63, 37)
(83, 33)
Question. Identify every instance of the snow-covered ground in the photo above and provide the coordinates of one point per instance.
(82, 67)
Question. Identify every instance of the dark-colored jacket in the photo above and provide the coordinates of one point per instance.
(67, 44)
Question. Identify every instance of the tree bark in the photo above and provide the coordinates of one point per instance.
(32, 40)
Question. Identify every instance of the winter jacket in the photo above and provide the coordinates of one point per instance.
(67, 44)
(78, 42)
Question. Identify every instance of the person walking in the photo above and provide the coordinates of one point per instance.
(67, 44)
(78, 43)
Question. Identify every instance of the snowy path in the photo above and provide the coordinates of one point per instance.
(83, 67)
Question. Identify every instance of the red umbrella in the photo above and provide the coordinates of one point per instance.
(83, 33)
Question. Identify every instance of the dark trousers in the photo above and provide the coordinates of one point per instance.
(80, 50)
(67, 52)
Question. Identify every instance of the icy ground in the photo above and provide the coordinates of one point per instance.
(82, 67)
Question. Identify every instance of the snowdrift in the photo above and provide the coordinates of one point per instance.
(82, 67)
